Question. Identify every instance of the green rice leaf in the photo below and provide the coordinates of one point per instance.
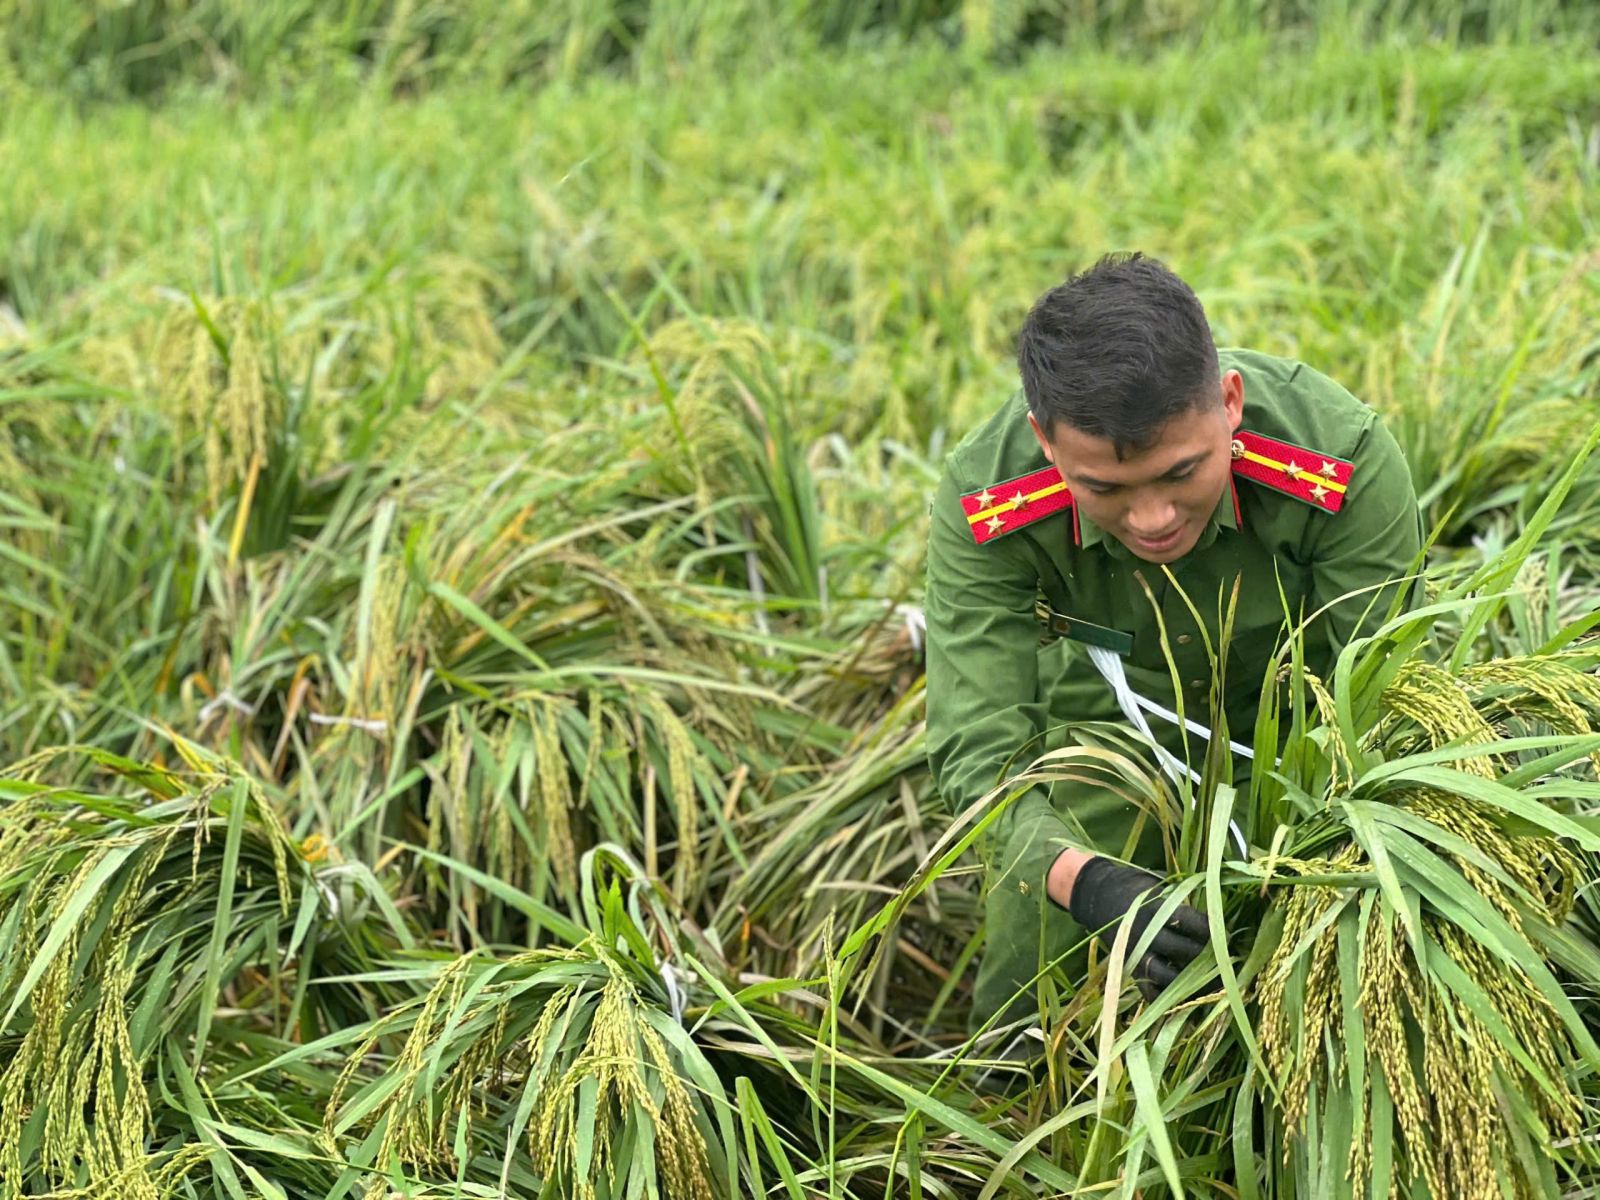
(222, 922)
(1151, 1116)
(65, 924)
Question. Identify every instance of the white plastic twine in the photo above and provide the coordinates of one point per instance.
(916, 624)
(1134, 706)
(675, 996)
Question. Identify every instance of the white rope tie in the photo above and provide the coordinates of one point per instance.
(675, 997)
(1134, 706)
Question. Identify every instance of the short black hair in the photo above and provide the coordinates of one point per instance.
(1116, 351)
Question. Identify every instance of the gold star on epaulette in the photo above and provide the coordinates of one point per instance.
(1276, 465)
(1024, 500)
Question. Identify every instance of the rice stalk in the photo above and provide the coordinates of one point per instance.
(113, 893)
(617, 1058)
(1442, 1066)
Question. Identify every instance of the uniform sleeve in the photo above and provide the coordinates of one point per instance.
(1375, 539)
(984, 698)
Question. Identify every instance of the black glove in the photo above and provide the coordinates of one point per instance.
(1106, 889)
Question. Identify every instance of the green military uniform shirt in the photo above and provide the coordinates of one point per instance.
(993, 689)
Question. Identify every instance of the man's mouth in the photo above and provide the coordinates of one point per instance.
(1157, 545)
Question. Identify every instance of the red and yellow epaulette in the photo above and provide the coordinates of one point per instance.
(1013, 503)
(1317, 479)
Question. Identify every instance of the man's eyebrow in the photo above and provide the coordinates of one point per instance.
(1183, 464)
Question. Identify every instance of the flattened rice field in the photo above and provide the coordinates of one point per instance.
(463, 499)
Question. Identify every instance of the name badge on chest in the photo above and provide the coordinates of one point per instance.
(1076, 630)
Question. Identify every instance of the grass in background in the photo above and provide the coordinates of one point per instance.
(497, 442)
(111, 49)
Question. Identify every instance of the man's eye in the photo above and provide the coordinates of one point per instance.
(1180, 476)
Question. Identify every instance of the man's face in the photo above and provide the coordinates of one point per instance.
(1156, 501)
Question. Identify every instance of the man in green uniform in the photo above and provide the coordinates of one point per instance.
(1136, 449)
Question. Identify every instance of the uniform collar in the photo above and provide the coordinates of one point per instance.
(1224, 516)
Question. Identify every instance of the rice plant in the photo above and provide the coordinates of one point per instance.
(463, 485)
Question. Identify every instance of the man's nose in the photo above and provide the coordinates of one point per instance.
(1151, 516)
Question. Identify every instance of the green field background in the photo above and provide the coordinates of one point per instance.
(503, 430)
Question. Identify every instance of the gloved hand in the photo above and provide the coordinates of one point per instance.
(1106, 889)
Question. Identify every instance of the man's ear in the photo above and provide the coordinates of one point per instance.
(1233, 399)
(1044, 442)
